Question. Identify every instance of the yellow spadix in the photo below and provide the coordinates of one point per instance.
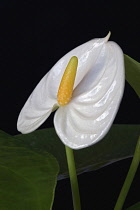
(67, 82)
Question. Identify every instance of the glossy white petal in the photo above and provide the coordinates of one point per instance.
(37, 108)
(96, 99)
(40, 104)
(86, 54)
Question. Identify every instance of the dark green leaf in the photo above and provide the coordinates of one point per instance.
(132, 73)
(118, 144)
(135, 207)
(27, 179)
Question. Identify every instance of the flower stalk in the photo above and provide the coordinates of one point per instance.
(129, 178)
(73, 178)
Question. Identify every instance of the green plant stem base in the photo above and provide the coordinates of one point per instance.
(73, 178)
(130, 176)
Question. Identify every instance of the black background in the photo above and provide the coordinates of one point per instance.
(33, 36)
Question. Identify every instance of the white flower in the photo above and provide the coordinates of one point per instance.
(97, 92)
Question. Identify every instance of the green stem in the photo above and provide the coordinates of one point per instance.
(73, 178)
(130, 176)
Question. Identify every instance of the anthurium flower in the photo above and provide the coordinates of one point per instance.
(92, 97)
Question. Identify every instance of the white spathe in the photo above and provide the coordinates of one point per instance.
(98, 90)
